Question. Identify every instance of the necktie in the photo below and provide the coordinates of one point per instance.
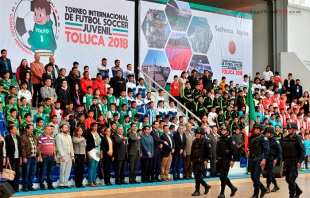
(49, 91)
(55, 72)
(216, 138)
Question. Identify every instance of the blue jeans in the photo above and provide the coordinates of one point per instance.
(48, 166)
(176, 160)
(92, 170)
(29, 170)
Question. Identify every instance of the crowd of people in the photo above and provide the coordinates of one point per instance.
(113, 121)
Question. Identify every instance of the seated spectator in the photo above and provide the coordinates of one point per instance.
(48, 92)
(49, 75)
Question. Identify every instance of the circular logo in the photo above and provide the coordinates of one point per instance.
(232, 47)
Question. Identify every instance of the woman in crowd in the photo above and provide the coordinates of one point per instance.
(305, 100)
(93, 153)
(22, 70)
(182, 81)
(76, 95)
(79, 144)
(107, 148)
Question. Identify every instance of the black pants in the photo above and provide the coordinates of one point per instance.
(120, 169)
(198, 170)
(79, 169)
(269, 169)
(15, 164)
(146, 168)
(133, 166)
(212, 167)
(107, 160)
(223, 167)
(291, 173)
(36, 93)
(306, 162)
(156, 165)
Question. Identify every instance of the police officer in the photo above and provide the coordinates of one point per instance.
(259, 151)
(293, 156)
(201, 152)
(273, 158)
(226, 153)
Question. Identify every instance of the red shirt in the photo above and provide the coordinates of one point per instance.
(46, 144)
(101, 86)
(267, 102)
(88, 122)
(174, 88)
(84, 84)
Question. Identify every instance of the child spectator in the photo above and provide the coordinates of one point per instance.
(54, 122)
(47, 109)
(23, 109)
(161, 109)
(174, 89)
(57, 111)
(127, 125)
(13, 118)
(96, 108)
(27, 120)
(28, 81)
(212, 117)
(23, 92)
(81, 123)
(132, 111)
(148, 99)
(237, 137)
(172, 110)
(131, 85)
(39, 129)
(88, 98)
(40, 114)
(140, 106)
(121, 100)
(111, 112)
(6, 82)
(111, 97)
(123, 113)
(159, 97)
(104, 105)
(129, 97)
(142, 89)
(151, 112)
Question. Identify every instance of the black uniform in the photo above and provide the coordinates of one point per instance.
(187, 95)
(199, 109)
(196, 93)
(293, 153)
(217, 104)
(208, 103)
(200, 153)
(226, 151)
(225, 103)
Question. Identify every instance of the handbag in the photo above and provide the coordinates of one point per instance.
(8, 173)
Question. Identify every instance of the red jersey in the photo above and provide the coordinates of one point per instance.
(267, 102)
(174, 88)
(275, 101)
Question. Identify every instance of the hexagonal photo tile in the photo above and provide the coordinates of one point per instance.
(157, 67)
(156, 28)
(200, 63)
(199, 34)
(178, 51)
(179, 14)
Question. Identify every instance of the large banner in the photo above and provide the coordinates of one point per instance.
(70, 30)
(177, 36)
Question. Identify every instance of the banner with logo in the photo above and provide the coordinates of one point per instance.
(177, 36)
(70, 30)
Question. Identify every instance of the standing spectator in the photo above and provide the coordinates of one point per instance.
(297, 90)
(207, 81)
(147, 144)
(37, 70)
(239, 101)
(166, 153)
(128, 72)
(278, 81)
(193, 78)
(76, 65)
(62, 76)
(55, 71)
(213, 139)
(48, 92)
(13, 155)
(48, 155)
(5, 64)
(118, 83)
(66, 155)
(99, 84)
(120, 155)
(49, 74)
(117, 68)
(288, 84)
(182, 81)
(73, 77)
(305, 102)
(63, 94)
(174, 89)
(2, 152)
(24, 93)
(93, 153)
(190, 136)
(22, 70)
(103, 68)
(180, 142)
(134, 152)
(85, 82)
(107, 149)
(76, 95)
(30, 154)
(79, 146)
(266, 75)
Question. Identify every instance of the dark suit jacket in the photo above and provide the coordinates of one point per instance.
(90, 142)
(179, 144)
(134, 144)
(50, 76)
(166, 150)
(105, 145)
(10, 147)
(120, 149)
(2, 67)
(157, 141)
(213, 144)
(57, 70)
(295, 93)
(292, 83)
(63, 97)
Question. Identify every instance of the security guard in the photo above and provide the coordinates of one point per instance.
(201, 152)
(274, 157)
(259, 151)
(226, 153)
(293, 156)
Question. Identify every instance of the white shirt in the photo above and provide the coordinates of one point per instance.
(158, 98)
(104, 68)
(131, 85)
(244, 84)
(267, 75)
(254, 86)
(211, 118)
(161, 110)
(24, 93)
(270, 91)
(169, 139)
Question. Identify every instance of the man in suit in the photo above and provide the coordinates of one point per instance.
(134, 152)
(147, 144)
(37, 70)
(5, 64)
(297, 90)
(180, 142)
(49, 74)
(166, 153)
(120, 155)
(63, 94)
(158, 144)
(13, 155)
(55, 67)
(190, 136)
(66, 155)
(213, 139)
(48, 92)
(288, 84)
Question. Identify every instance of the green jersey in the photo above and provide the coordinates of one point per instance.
(111, 99)
(121, 116)
(8, 108)
(120, 102)
(88, 100)
(47, 111)
(7, 83)
(37, 115)
(42, 37)
(23, 110)
(16, 123)
(37, 131)
(132, 113)
(104, 108)
(126, 126)
(160, 132)
(111, 115)
(2, 99)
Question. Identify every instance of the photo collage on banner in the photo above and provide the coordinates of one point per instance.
(178, 36)
(69, 30)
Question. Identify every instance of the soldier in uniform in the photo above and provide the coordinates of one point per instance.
(200, 153)
(274, 157)
(259, 151)
(226, 153)
(293, 156)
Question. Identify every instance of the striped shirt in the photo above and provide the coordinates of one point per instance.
(46, 144)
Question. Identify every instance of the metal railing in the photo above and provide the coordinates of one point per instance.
(187, 111)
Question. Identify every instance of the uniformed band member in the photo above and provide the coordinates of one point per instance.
(226, 153)
(200, 153)
(293, 156)
(273, 158)
(259, 151)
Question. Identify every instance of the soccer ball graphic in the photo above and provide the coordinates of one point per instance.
(24, 21)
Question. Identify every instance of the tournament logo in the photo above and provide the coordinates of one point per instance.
(34, 25)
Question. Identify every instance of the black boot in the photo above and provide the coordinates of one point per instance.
(298, 192)
(221, 196)
(207, 188)
(256, 192)
(268, 189)
(196, 193)
(263, 191)
(233, 191)
(276, 188)
(292, 195)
